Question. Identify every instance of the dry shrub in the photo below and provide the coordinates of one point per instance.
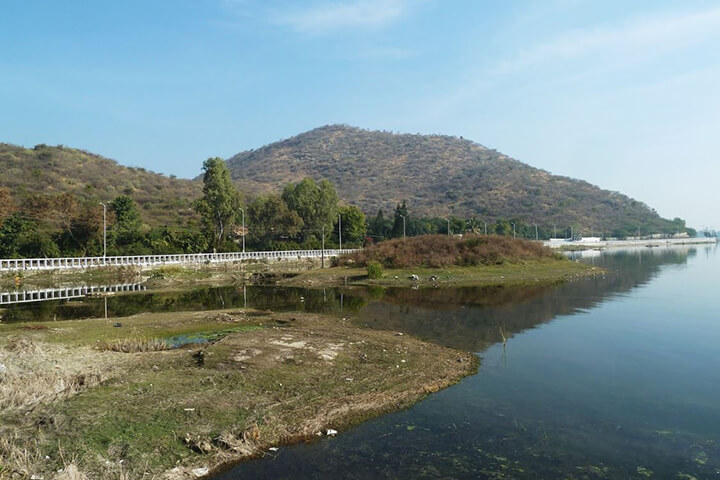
(18, 457)
(22, 345)
(71, 472)
(441, 251)
(135, 345)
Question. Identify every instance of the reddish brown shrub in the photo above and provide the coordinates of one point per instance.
(440, 251)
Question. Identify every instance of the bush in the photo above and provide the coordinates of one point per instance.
(437, 251)
(374, 269)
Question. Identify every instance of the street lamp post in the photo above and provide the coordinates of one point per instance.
(323, 247)
(485, 223)
(448, 222)
(104, 229)
(403, 217)
(243, 228)
(537, 237)
(513, 224)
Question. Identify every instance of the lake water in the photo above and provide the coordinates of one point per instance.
(613, 377)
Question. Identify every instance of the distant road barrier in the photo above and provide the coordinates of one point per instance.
(69, 263)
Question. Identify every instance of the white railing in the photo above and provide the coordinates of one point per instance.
(13, 264)
(25, 296)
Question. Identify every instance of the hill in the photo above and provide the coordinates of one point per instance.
(439, 176)
(51, 170)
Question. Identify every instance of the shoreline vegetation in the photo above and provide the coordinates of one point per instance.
(115, 401)
(440, 260)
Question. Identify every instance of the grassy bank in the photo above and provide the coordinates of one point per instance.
(516, 274)
(437, 260)
(73, 406)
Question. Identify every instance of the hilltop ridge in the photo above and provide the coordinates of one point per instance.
(438, 175)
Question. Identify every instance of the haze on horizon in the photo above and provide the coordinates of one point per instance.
(623, 95)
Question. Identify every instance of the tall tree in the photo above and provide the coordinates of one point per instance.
(316, 203)
(12, 232)
(271, 220)
(220, 204)
(354, 227)
(126, 233)
(378, 227)
(126, 211)
(400, 213)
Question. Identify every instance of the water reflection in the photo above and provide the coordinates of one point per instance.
(473, 318)
(196, 299)
(65, 293)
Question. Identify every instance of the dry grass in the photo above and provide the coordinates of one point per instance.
(437, 251)
(17, 457)
(135, 345)
(38, 372)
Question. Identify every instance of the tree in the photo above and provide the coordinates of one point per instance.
(378, 228)
(271, 220)
(220, 204)
(126, 233)
(37, 244)
(86, 230)
(317, 205)
(502, 227)
(127, 214)
(12, 232)
(400, 225)
(353, 226)
(679, 225)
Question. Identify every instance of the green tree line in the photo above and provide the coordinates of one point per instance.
(381, 227)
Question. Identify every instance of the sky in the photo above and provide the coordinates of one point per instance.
(625, 95)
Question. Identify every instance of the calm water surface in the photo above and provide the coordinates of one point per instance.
(606, 378)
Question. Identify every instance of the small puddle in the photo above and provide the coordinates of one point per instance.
(199, 338)
(186, 339)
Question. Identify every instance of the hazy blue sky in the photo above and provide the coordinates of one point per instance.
(624, 94)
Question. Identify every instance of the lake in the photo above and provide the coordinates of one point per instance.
(611, 377)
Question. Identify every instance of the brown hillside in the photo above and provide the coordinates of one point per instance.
(437, 175)
(49, 170)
